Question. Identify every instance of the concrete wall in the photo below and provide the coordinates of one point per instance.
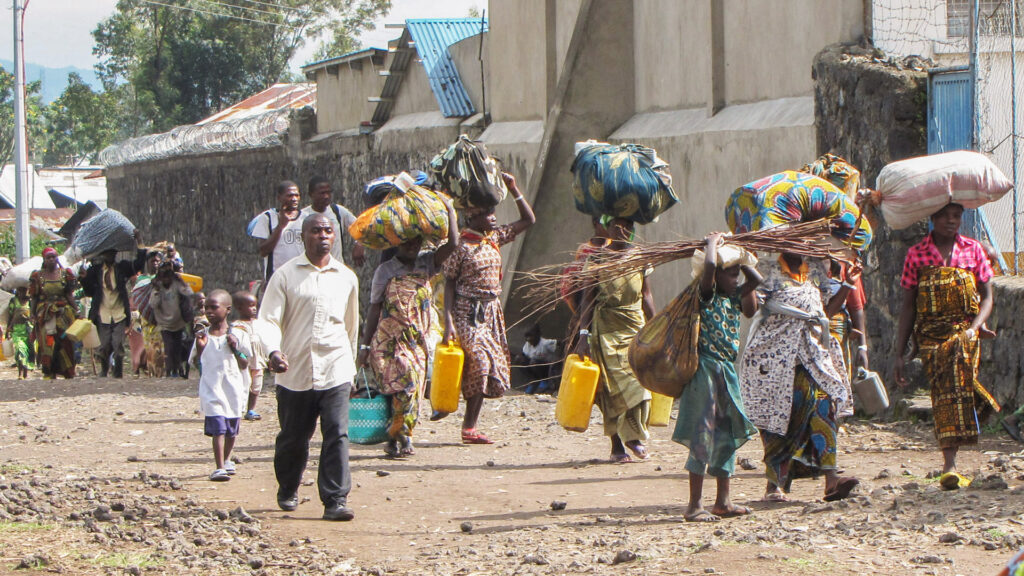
(466, 55)
(342, 93)
(672, 54)
(518, 59)
(414, 95)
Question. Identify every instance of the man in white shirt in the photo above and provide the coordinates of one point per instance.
(311, 322)
(279, 230)
(320, 194)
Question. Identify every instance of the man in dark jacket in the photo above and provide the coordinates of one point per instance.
(106, 283)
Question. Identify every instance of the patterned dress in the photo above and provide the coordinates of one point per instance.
(947, 302)
(398, 350)
(618, 316)
(475, 267)
(20, 314)
(711, 420)
(54, 313)
(793, 380)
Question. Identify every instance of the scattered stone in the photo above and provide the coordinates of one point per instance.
(383, 473)
(240, 514)
(949, 538)
(927, 559)
(624, 556)
(535, 559)
(133, 458)
(558, 505)
(33, 562)
(490, 463)
(466, 527)
(885, 473)
(255, 563)
(747, 464)
(119, 413)
(102, 513)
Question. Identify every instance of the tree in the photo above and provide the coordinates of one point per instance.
(79, 123)
(33, 111)
(187, 61)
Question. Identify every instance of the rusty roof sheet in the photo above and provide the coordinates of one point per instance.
(277, 97)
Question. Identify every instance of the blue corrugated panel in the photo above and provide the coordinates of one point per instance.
(432, 37)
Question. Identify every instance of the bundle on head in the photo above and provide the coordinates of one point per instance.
(810, 239)
(406, 213)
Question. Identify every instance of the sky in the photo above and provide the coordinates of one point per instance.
(58, 33)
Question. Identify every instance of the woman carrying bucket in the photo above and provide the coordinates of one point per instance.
(394, 341)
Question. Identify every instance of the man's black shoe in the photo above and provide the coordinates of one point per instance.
(289, 503)
(338, 512)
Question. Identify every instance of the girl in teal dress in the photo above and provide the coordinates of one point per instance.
(711, 421)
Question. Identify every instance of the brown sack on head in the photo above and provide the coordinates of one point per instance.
(664, 353)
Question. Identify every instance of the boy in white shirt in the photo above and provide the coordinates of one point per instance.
(222, 357)
(247, 309)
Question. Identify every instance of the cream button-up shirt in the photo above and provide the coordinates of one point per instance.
(312, 316)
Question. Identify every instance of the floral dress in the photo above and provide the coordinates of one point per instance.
(54, 312)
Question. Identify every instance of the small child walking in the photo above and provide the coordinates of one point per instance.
(247, 308)
(221, 356)
(19, 330)
(711, 420)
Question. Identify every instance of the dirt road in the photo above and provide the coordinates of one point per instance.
(105, 476)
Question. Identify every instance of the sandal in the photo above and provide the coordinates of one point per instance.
(702, 516)
(391, 449)
(953, 481)
(406, 449)
(620, 458)
(471, 436)
(1013, 430)
(638, 449)
(842, 489)
(775, 497)
(731, 512)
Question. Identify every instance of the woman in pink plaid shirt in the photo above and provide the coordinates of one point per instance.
(947, 297)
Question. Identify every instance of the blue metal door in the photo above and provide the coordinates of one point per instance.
(949, 128)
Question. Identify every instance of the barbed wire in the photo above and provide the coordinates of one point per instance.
(262, 131)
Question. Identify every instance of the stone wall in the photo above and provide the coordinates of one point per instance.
(1002, 364)
(872, 114)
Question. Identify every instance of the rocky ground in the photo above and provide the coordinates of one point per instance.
(109, 477)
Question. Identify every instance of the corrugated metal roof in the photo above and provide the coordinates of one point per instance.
(430, 38)
(344, 58)
(277, 97)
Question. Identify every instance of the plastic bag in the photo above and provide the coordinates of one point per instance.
(108, 230)
(792, 196)
(914, 189)
(469, 174)
(624, 181)
(402, 216)
(379, 188)
(663, 355)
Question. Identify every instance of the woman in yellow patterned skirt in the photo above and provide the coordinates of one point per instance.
(947, 297)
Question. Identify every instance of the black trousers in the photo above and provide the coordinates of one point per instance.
(298, 413)
(175, 354)
(112, 343)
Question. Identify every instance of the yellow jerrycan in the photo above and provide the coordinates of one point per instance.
(661, 410)
(446, 381)
(576, 393)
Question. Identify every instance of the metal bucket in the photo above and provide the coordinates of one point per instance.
(871, 390)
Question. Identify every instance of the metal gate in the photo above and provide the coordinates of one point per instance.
(949, 128)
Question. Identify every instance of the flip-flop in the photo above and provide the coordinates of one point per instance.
(638, 449)
(471, 436)
(703, 517)
(1013, 430)
(733, 512)
(953, 481)
(775, 497)
(842, 489)
(620, 458)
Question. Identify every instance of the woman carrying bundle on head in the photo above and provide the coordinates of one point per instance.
(792, 377)
(611, 315)
(52, 290)
(711, 420)
(472, 307)
(394, 341)
(947, 297)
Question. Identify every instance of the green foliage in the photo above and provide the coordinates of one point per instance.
(33, 114)
(80, 123)
(37, 242)
(177, 65)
